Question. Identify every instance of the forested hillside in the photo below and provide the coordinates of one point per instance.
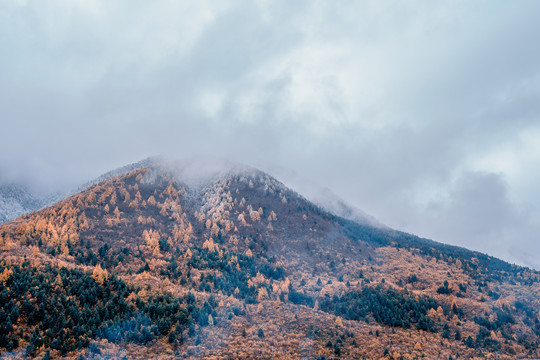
(239, 266)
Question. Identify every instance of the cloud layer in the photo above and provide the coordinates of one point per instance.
(424, 114)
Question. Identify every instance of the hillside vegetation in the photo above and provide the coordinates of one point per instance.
(239, 266)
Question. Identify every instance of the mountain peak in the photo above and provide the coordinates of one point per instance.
(209, 256)
(197, 172)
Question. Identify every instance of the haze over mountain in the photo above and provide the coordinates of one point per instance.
(216, 260)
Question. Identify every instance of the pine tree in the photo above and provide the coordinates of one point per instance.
(47, 355)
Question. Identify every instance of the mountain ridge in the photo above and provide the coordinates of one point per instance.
(16, 200)
(323, 197)
(244, 254)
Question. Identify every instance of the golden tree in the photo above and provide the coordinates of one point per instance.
(99, 274)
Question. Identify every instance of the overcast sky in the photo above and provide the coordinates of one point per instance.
(425, 114)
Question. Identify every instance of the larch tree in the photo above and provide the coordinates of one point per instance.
(241, 219)
(99, 274)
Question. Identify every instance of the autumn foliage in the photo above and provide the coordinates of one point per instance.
(243, 267)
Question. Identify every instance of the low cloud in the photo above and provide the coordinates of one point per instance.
(477, 213)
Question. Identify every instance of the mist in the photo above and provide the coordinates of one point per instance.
(424, 115)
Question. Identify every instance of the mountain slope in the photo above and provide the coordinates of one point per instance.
(16, 200)
(323, 197)
(221, 261)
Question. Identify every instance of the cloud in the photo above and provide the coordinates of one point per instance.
(477, 213)
(392, 105)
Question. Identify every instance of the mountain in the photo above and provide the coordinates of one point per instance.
(154, 160)
(218, 260)
(16, 200)
(323, 197)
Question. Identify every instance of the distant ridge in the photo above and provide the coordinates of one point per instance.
(17, 200)
(323, 197)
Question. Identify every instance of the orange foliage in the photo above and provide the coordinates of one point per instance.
(99, 274)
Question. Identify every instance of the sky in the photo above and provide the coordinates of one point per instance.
(424, 114)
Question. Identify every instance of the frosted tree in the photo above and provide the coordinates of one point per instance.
(254, 215)
(241, 219)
